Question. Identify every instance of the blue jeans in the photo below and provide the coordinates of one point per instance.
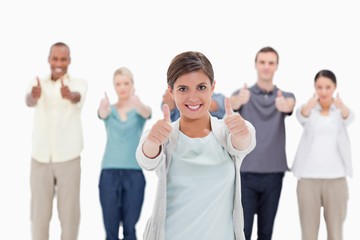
(260, 194)
(121, 197)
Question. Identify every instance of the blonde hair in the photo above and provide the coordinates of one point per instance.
(124, 71)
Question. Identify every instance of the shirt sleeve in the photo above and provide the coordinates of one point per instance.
(145, 162)
(350, 118)
(300, 117)
(219, 99)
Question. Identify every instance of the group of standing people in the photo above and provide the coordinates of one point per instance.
(219, 160)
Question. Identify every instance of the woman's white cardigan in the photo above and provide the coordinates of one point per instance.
(155, 228)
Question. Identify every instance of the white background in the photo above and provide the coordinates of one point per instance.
(145, 36)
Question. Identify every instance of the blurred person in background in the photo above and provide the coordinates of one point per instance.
(262, 171)
(122, 182)
(56, 146)
(323, 159)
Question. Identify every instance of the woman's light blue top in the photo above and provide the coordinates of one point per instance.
(122, 140)
(200, 191)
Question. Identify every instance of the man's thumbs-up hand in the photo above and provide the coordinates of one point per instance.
(282, 104)
(240, 135)
(36, 90)
(158, 134)
(74, 97)
(65, 91)
(242, 98)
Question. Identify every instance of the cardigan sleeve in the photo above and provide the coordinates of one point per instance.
(145, 162)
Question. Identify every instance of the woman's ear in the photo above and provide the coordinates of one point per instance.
(171, 91)
(213, 87)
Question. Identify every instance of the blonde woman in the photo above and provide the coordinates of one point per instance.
(122, 182)
(323, 159)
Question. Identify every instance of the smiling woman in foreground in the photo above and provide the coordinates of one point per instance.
(197, 159)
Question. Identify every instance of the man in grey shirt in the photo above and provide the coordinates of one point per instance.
(262, 171)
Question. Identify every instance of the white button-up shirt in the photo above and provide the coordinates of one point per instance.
(57, 133)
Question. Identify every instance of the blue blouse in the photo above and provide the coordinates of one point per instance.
(122, 140)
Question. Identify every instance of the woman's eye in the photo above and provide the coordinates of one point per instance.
(182, 89)
(201, 87)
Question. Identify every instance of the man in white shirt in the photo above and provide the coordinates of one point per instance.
(56, 146)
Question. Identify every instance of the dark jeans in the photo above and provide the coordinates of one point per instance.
(121, 197)
(260, 195)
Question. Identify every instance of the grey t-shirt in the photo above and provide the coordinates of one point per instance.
(269, 154)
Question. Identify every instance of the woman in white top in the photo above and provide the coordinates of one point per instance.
(197, 159)
(323, 159)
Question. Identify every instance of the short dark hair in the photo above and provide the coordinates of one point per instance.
(267, 49)
(326, 73)
(59, 44)
(187, 62)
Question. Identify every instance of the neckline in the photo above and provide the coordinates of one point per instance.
(187, 137)
(118, 114)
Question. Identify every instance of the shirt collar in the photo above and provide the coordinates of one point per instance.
(318, 107)
(66, 76)
(258, 90)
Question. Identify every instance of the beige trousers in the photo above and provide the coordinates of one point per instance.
(46, 179)
(332, 195)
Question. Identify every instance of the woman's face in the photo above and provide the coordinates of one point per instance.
(123, 86)
(325, 89)
(192, 94)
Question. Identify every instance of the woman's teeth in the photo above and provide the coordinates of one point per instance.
(194, 107)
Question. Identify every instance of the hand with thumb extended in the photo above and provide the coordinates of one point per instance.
(280, 102)
(105, 103)
(312, 102)
(234, 122)
(242, 98)
(36, 90)
(338, 102)
(158, 134)
(65, 91)
(134, 99)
